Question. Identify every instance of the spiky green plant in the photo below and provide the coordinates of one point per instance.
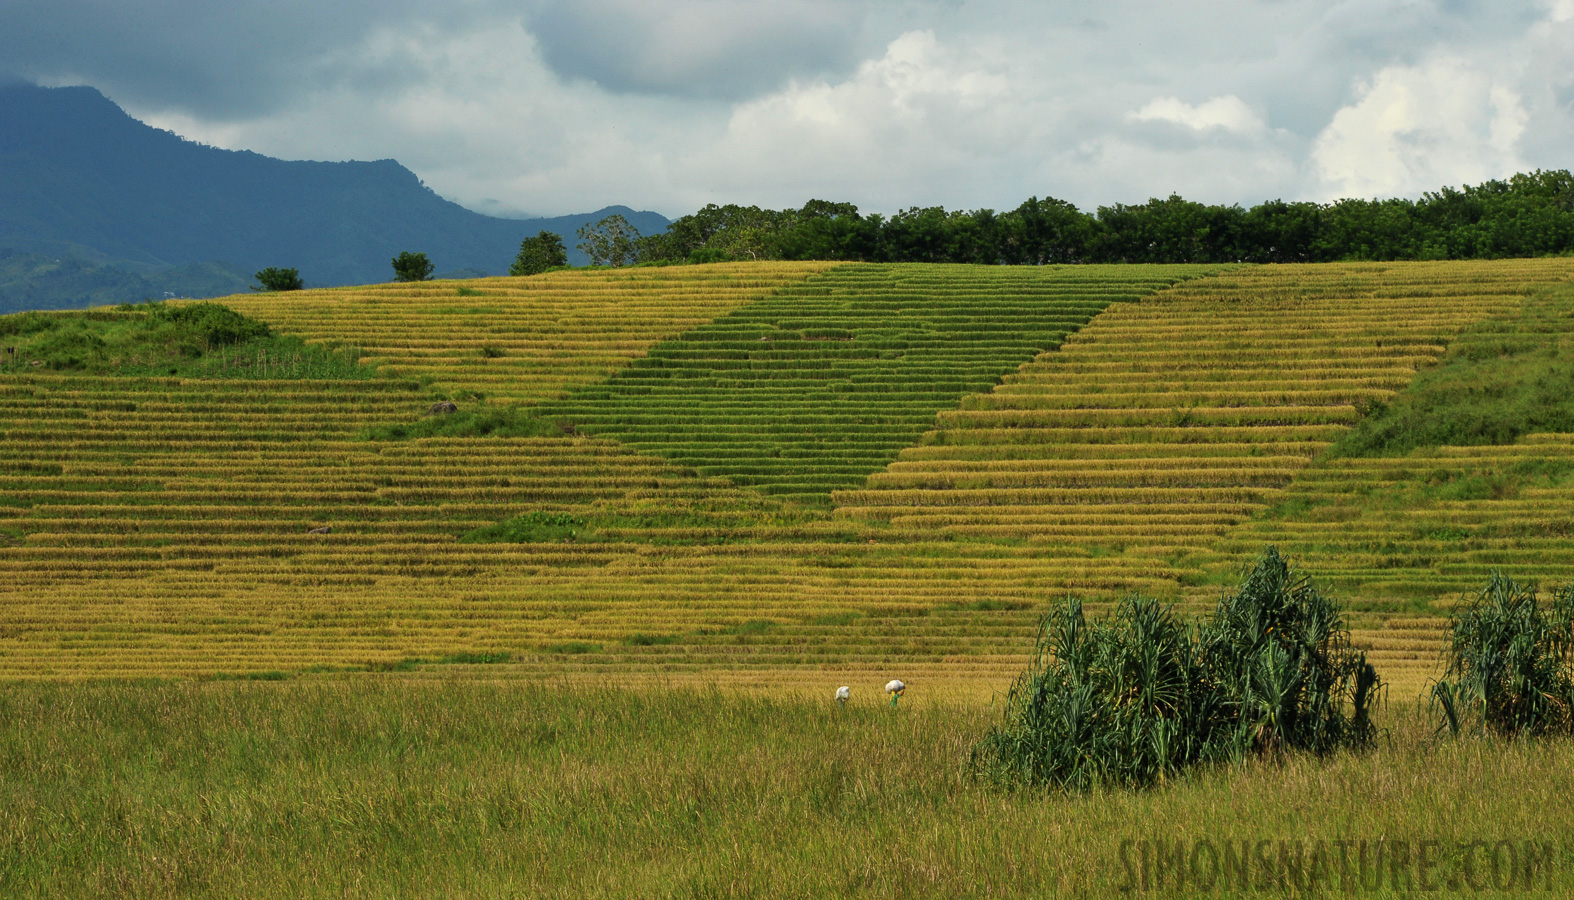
(1140, 696)
(1278, 658)
(1114, 694)
(1508, 662)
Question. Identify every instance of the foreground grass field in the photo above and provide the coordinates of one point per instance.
(393, 787)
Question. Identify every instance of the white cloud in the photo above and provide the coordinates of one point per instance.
(1228, 112)
(918, 89)
(1416, 128)
(922, 124)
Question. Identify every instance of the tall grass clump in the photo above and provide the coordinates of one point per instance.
(1508, 662)
(1141, 696)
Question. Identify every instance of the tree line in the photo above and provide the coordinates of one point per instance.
(1529, 214)
(1526, 215)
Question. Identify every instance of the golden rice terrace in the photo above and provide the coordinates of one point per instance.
(804, 468)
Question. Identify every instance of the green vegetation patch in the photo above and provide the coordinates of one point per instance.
(266, 675)
(530, 528)
(482, 421)
(718, 524)
(987, 605)
(1501, 380)
(468, 658)
(837, 619)
(196, 340)
(751, 627)
(639, 639)
(815, 387)
(571, 648)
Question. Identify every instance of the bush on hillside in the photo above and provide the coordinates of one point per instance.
(214, 323)
(1508, 663)
(72, 345)
(27, 323)
(1141, 696)
(190, 340)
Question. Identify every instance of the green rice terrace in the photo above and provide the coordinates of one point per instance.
(784, 473)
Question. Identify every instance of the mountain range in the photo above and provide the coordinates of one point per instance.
(98, 207)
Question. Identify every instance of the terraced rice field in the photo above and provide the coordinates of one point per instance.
(1427, 523)
(731, 518)
(519, 339)
(1174, 419)
(818, 385)
(1403, 532)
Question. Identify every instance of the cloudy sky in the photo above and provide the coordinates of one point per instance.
(529, 106)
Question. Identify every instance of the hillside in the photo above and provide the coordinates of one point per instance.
(81, 178)
(728, 467)
(69, 281)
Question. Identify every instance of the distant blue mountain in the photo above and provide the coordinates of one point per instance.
(80, 178)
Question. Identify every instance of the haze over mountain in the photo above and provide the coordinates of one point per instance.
(84, 183)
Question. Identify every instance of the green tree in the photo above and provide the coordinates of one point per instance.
(718, 233)
(1173, 230)
(1369, 230)
(1042, 232)
(275, 279)
(409, 266)
(609, 242)
(1280, 232)
(538, 254)
(823, 229)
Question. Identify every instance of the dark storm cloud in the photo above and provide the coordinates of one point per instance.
(219, 59)
(708, 48)
(236, 59)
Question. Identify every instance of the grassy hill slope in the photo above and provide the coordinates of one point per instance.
(1470, 469)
